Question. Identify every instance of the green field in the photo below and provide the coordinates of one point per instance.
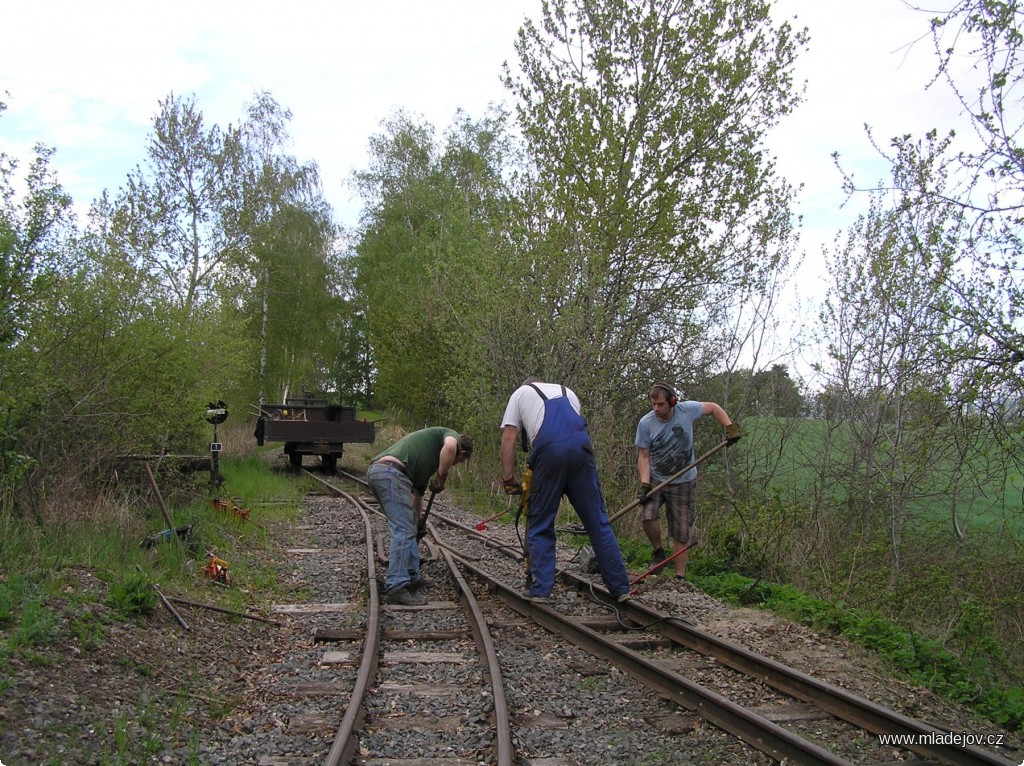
(836, 466)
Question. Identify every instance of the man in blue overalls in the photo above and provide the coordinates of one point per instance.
(562, 463)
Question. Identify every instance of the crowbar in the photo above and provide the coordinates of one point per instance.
(482, 525)
(163, 598)
(159, 497)
(421, 526)
(671, 478)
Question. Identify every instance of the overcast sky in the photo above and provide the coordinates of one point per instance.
(85, 78)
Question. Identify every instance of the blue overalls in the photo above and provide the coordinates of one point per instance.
(562, 461)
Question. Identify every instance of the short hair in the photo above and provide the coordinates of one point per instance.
(530, 379)
(661, 385)
(466, 446)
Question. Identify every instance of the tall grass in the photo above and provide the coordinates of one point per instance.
(109, 539)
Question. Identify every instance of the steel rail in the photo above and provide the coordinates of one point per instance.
(514, 552)
(482, 635)
(347, 475)
(839, 702)
(756, 731)
(343, 749)
(508, 549)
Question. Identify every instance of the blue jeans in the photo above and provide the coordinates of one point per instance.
(394, 492)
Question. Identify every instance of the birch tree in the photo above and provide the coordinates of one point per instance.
(977, 47)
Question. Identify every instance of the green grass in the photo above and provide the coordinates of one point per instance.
(43, 609)
(132, 596)
(792, 454)
(248, 480)
(960, 679)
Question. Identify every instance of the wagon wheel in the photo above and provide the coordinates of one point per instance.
(295, 460)
(330, 463)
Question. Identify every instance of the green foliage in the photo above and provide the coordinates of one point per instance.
(193, 210)
(88, 629)
(132, 595)
(27, 623)
(643, 241)
(248, 480)
(597, 255)
(636, 552)
(128, 378)
(251, 254)
(35, 626)
(759, 394)
(923, 661)
(929, 281)
(42, 608)
(167, 301)
(121, 736)
(11, 597)
(431, 269)
(25, 618)
(981, 179)
(33, 235)
(36, 241)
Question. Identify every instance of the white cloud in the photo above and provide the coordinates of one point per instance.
(86, 79)
(868, 63)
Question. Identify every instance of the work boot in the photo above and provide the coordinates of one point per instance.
(623, 598)
(657, 557)
(405, 597)
(537, 599)
(420, 583)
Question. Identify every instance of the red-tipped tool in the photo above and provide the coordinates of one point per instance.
(660, 564)
(482, 525)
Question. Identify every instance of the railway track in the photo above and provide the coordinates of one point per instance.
(778, 714)
(380, 666)
(776, 691)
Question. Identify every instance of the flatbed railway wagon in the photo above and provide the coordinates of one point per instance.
(310, 426)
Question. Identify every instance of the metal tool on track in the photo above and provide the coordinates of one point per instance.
(481, 526)
(579, 530)
(672, 478)
(421, 525)
(660, 564)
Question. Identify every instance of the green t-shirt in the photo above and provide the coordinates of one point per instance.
(420, 451)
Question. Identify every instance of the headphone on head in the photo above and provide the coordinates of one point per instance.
(670, 395)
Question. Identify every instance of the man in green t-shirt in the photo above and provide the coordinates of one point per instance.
(399, 477)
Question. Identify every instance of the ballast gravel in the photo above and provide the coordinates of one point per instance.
(234, 691)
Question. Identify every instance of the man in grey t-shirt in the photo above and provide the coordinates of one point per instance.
(664, 440)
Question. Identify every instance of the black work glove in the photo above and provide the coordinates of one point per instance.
(732, 433)
(511, 486)
(642, 490)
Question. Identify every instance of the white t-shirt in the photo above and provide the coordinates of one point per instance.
(525, 409)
